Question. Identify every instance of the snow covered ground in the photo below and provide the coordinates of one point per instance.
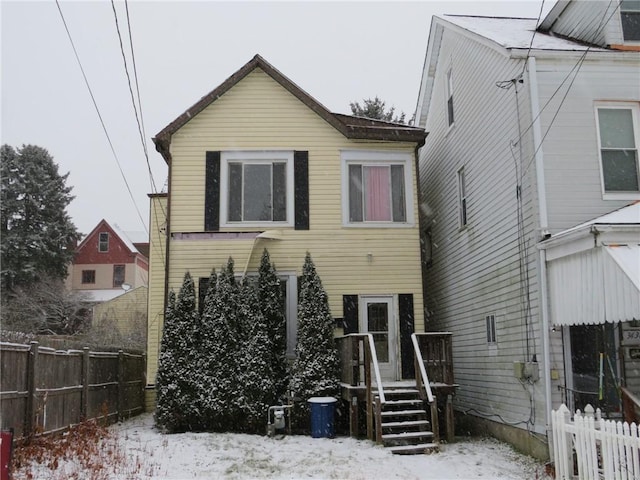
(236, 456)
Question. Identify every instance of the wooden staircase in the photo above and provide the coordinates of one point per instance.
(402, 423)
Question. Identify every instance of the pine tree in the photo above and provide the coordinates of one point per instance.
(315, 371)
(35, 228)
(177, 383)
(220, 357)
(256, 378)
(271, 300)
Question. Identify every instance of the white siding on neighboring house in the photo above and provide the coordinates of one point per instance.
(570, 148)
(475, 270)
(587, 21)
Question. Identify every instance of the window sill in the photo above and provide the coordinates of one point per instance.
(621, 196)
(378, 225)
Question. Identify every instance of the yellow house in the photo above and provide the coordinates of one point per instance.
(258, 163)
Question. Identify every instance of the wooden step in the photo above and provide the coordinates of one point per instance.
(405, 435)
(403, 413)
(401, 403)
(408, 424)
(418, 449)
(401, 391)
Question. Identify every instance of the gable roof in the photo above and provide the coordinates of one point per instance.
(349, 126)
(115, 230)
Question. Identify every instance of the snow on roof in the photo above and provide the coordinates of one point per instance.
(514, 33)
(102, 295)
(125, 238)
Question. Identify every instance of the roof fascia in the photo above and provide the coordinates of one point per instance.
(592, 54)
(428, 70)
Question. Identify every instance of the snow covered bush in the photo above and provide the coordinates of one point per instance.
(220, 356)
(256, 379)
(271, 301)
(315, 371)
(176, 385)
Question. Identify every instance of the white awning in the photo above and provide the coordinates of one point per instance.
(595, 286)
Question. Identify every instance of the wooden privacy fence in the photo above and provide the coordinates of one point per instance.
(46, 390)
(589, 447)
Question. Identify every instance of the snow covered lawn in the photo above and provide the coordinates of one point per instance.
(236, 456)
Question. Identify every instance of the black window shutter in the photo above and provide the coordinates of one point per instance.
(350, 313)
(301, 189)
(212, 192)
(407, 327)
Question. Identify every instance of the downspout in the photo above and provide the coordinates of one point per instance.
(544, 232)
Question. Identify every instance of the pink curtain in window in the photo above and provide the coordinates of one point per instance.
(377, 194)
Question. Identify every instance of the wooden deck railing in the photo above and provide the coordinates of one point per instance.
(358, 356)
(630, 406)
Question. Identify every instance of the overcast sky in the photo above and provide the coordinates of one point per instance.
(338, 52)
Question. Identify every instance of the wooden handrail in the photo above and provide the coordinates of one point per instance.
(423, 371)
(376, 367)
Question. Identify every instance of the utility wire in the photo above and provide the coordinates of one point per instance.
(104, 128)
(535, 30)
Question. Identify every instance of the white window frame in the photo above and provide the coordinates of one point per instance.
(106, 242)
(490, 327)
(635, 116)
(255, 157)
(378, 158)
(463, 210)
(449, 96)
(622, 11)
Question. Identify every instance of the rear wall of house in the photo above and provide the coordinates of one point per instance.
(259, 114)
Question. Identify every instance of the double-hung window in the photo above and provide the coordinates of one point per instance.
(377, 188)
(449, 93)
(103, 242)
(256, 188)
(630, 18)
(618, 144)
(462, 199)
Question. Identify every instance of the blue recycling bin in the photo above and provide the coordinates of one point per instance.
(322, 417)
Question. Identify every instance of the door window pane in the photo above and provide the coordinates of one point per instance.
(378, 326)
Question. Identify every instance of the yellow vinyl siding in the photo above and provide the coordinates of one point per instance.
(125, 312)
(259, 114)
(155, 309)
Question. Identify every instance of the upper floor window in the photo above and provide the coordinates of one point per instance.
(376, 188)
(462, 199)
(256, 188)
(630, 17)
(449, 87)
(618, 141)
(103, 242)
(118, 275)
(88, 276)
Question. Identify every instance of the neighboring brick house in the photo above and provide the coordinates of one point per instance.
(107, 264)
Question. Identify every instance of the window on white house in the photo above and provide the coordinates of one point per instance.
(490, 321)
(257, 188)
(376, 186)
(618, 139)
(103, 242)
(88, 276)
(118, 275)
(630, 17)
(462, 199)
(450, 97)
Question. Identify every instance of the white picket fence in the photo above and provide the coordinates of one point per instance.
(600, 449)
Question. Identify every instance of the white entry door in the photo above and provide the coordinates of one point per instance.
(378, 318)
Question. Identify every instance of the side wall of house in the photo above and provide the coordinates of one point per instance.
(259, 114)
(483, 269)
(155, 298)
(570, 148)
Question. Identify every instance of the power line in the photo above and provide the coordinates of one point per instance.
(137, 109)
(535, 30)
(104, 128)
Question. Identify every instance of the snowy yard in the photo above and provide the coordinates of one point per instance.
(145, 453)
